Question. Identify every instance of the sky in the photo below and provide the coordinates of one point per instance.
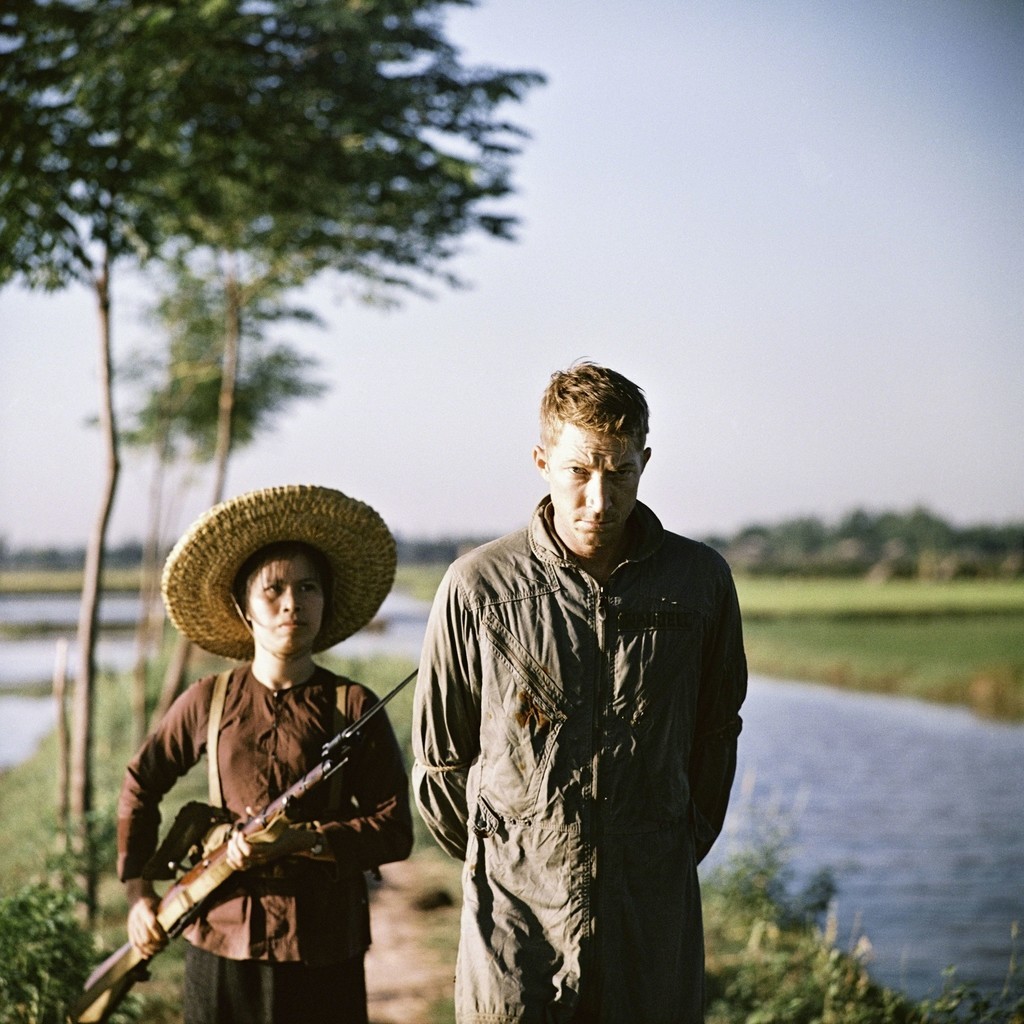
(799, 226)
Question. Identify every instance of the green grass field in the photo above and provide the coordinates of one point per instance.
(62, 581)
(766, 597)
(959, 642)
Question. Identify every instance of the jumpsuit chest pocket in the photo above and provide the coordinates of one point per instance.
(658, 655)
(522, 712)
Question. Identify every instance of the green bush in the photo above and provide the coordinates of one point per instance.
(45, 955)
(771, 959)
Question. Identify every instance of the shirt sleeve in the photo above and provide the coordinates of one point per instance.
(446, 718)
(174, 746)
(722, 692)
(380, 831)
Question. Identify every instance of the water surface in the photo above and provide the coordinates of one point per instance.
(917, 808)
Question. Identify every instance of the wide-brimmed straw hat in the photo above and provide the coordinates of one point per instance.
(201, 569)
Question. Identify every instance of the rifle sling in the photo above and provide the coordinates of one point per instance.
(220, 691)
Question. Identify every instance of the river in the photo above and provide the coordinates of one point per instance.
(917, 809)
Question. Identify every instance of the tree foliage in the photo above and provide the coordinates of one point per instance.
(889, 543)
(347, 130)
(45, 953)
(360, 141)
(77, 159)
(178, 387)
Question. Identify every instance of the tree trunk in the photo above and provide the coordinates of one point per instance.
(83, 704)
(229, 376)
(177, 665)
(60, 685)
(175, 674)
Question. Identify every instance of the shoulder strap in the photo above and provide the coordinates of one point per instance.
(220, 690)
(341, 720)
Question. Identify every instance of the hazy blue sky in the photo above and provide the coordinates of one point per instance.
(798, 225)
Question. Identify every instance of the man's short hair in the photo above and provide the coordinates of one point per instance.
(595, 399)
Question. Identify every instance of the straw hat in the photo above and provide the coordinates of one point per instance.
(202, 566)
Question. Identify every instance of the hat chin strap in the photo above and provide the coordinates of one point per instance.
(243, 617)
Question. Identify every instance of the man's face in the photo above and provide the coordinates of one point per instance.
(593, 480)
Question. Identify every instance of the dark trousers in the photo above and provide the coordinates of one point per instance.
(221, 991)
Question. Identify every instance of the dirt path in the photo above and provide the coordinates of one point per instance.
(405, 975)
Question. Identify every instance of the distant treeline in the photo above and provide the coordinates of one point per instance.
(915, 544)
(129, 554)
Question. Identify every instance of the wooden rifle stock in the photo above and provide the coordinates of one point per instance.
(112, 980)
(108, 985)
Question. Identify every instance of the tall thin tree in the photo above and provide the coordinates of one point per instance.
(178, 414)
(342, 133)
(75, 196)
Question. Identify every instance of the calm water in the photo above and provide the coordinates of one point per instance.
(31, 660)
(919, 810)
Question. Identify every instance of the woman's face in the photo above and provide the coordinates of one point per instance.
(285, 606)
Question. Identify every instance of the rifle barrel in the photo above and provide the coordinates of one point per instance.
(351, 730)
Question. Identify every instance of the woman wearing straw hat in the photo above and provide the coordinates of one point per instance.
(270, 578)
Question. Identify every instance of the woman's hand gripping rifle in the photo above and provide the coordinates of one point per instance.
(183, 901)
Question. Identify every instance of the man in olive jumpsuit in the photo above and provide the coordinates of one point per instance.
(575, 727)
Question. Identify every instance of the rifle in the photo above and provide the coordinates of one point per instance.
(183, 901)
